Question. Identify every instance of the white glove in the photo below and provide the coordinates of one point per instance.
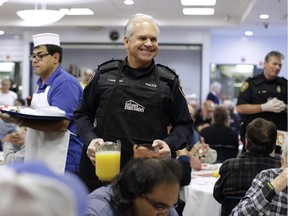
(273, 105)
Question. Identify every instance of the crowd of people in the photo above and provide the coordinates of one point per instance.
(137, 101)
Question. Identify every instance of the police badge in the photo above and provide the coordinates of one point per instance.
(278, 89)
(244, 86)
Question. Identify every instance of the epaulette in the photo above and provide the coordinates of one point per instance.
(166, 73)
(282, 81)
(257, 79)
(110, 65)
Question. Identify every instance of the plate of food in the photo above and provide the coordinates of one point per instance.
(49, 113)
(206, 166)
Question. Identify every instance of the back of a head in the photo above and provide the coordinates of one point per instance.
(216, 86)
(261, 136)
(141, 175)
(129, 28)
(32, 189)
(228, 104)
(220, 116)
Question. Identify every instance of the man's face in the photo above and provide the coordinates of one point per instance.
(272, 67)
(43, 67)
(163, 195)
(142, 47)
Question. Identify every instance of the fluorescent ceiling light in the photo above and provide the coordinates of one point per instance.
(40, 17)
(76, 11)
(7, 66)
(198, 2)
(245, 68)
(264, 16)
(1, 32)
(248, 33)
(128, 2)
(198, 11)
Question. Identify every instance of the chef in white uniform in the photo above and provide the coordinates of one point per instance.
(52, 141)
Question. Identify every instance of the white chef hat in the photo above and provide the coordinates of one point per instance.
(46, 38)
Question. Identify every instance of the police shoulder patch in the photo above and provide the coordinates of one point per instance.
(244, 86)
(181, 90)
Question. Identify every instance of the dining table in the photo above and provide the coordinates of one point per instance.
(198, 195)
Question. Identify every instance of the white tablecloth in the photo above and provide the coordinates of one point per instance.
(198, 196)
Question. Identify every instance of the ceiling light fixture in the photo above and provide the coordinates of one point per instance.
(128, 2)
(248, 33)
(264, 16)
(198, 11)
(1, 32)
(198, 2)
(76, 11)
(38, 17)
(2, 2)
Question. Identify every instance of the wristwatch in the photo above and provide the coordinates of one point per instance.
(268, 191)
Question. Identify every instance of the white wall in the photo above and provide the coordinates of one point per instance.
(233, 50)
(215, 48)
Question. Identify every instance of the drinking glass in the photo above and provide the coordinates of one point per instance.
(107, 160)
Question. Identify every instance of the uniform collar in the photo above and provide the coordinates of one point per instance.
(266, 80)
(139, 72)
(253, 154)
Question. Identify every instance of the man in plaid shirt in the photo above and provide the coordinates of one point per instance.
(268, 193)
(237, 174)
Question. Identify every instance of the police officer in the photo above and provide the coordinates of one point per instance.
(132, 101)
(264, 95)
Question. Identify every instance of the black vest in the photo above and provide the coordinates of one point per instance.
(133, 110)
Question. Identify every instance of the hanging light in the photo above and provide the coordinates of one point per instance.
(38, 17)
(2, 2)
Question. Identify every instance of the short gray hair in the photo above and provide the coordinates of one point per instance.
(216, 86)
(274, 53)
(129, 28)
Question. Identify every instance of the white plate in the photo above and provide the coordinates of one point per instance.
(27, 116)
(206, 166)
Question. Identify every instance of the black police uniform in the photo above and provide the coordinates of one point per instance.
(133, 106)
(257, 90)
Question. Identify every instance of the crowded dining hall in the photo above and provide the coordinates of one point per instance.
(140, 112)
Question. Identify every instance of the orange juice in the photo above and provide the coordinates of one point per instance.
(107, 164)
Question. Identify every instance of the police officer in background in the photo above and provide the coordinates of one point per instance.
(133, 100)
(264, 95)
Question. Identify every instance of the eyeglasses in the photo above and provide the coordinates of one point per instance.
(159, 207)
(38, 56)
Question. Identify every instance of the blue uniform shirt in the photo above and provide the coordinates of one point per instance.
(65, 93)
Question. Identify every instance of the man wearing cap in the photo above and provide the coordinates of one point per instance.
(52, 141)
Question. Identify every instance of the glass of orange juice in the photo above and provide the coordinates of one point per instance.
(107, 160)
